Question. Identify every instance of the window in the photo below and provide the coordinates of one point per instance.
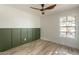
(67, 27)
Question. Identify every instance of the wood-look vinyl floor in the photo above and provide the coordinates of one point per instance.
(41, 47)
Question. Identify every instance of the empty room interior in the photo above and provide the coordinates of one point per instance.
(39, 29)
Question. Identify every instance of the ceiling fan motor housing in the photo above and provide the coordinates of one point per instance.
(43, 13)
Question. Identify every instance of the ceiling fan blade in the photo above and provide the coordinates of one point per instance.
(35, 8)
(50, 7)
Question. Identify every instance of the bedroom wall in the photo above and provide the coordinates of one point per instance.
(15, 18)
(50, 28)
(17, 27)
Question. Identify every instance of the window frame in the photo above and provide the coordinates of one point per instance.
(66, 26)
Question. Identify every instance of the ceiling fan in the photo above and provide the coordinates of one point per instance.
(43, 8)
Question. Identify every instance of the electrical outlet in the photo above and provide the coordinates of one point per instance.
(25, 39)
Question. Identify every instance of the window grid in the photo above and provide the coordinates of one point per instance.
(69, 30)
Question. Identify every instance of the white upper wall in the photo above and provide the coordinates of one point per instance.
(50, 29)
(15, 18)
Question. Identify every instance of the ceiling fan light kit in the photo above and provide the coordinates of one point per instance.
(43, 9)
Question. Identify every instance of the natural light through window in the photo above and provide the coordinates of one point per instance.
(67, 27)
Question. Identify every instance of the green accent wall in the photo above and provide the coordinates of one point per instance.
(13, 37)
(23, 35)
(29, 34)
(37, 33)
(5, 39)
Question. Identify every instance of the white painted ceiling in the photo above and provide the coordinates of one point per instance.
(58, 8)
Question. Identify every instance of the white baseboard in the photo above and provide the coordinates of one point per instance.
(43, 38)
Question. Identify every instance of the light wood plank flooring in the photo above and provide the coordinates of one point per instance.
(41, 47)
